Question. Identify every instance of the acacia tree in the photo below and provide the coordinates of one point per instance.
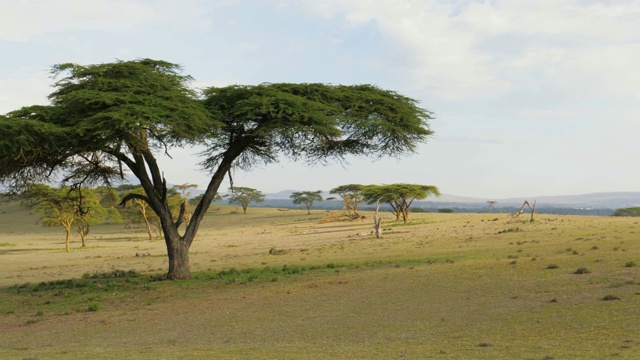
(244, 196)
(89, 212)
(398, 196)
(307, 198)
(196, 199)
(104, 119)
(58, 207)
(350, 195)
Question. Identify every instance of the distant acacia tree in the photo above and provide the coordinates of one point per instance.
(64, 207)
(244, 196)
(350, 195)
(398, 196)
(196, 199)
(56, 206)
(89, 212)
(307, 198)
(630, 211)
(105, 119)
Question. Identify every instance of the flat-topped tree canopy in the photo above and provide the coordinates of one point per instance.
(313, 122)
(105, 118)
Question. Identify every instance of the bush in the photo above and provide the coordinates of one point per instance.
(582, 270)
(274, 251)
(631, 211)
(445, 211)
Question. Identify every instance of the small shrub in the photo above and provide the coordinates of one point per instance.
(582, 270)
(40, 313)
(610, 297)
(594, 247)
(630, 264)
(94, 306)
(274, 251)
(552, 266)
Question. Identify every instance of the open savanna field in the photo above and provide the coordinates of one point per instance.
(275, 284)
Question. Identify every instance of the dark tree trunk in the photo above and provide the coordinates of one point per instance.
(179, 265)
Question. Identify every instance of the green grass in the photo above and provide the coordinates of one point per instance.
(448, 286)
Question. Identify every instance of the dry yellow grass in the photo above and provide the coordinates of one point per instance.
(449, 286)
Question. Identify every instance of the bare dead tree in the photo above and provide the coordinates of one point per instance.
(377, 221)
(525, 203)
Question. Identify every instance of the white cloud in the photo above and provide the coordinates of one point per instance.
(489, 48)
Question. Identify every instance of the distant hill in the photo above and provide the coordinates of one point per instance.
(586, 204)
(603, 203)
(604, 200)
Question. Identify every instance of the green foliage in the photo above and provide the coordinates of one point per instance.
(312, 122)
(398, 196)
(445, 211)
(631, 211)
(306, 197)
(244, 196)
(98, 111)
(196, 199)
(350, 194)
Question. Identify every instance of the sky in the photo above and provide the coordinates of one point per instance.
(530, 98)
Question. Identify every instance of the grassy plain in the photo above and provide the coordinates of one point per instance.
(277, 284)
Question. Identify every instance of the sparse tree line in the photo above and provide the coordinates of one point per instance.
(78, 209)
